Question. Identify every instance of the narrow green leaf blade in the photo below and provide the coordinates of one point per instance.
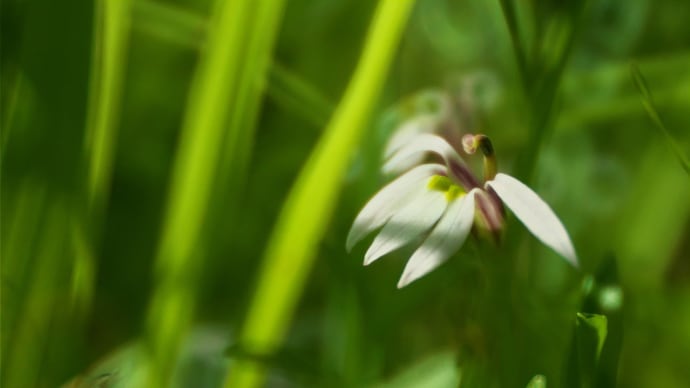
(588, 341)
(648, 103)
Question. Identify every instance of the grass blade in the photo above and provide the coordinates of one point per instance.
(293, 245)
(648, 103)
(296, 95)
(510, 15)
(219, 83)
(187, 29)
(109, 57)
(110, 54)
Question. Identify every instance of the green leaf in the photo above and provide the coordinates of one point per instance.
(436, 371)
(605, 296)
(200, 363)
(588, 341)
(538, 381)
(591, 334)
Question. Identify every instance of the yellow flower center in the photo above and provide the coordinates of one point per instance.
(445, 185)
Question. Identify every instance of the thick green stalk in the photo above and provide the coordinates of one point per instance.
(306, 213)
(215, 99)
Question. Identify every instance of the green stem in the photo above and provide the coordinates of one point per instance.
(109, 53)
(302, 223)
(219, 83)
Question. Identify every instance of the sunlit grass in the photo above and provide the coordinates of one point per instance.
(292, 248)
(92, 131)
(215, 140)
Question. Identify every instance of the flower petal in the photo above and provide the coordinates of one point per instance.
(535, 214)
(407, 131)
(388, 200)
(431, 143)
(415, 218)
(420, 143)
(446, 238)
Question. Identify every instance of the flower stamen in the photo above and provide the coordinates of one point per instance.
(470, 143)
(439, 183)
(444, 184)
(454, 192)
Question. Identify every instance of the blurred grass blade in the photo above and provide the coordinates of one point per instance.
(109, 57)
(14, 90)
(41, 186)
(588, 341)
(169, 23)
(83, 276)
(538, 381)
(188, 29)
(112, 21)
(298, 96)
(201, 363)
(33, 352)
(307, 210)
(541, 76)
(436, 371)
(603, 294)
(292, 364)
(249, 89)
(648, 103)
(510, 15)
(218, 96)
(22, 220)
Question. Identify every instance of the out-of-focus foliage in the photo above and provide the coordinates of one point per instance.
(550, 83)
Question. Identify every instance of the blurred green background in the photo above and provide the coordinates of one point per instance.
(101, 99)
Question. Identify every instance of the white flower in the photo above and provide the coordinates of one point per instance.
(440, 202)
(446, 112)
(431, 112)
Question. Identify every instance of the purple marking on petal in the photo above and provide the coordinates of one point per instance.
(497, 201)
(490, 214)
(463, 175)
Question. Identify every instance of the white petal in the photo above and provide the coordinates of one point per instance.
(537, 216)
(415, 218)
(419, 144)
(402, 165)
(408, 130)
(388, 200)
(446, 238)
